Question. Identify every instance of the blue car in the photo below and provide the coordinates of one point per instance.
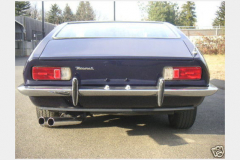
(86, 68)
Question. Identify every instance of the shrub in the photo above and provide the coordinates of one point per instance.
(211, 45)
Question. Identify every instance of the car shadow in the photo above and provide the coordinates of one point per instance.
(154, 126)
(210, 120)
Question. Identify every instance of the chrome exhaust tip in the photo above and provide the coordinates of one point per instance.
(42, 121)
(63, 121)
(50, 121)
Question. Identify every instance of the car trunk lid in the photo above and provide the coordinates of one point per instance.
(116, 48)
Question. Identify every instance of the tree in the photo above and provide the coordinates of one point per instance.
(144, 10)
(21, 8)
(80, 14)
(68, 14)
(163, 11)
(39, 17)
(220, 16)
(85, 12)
(90, 15)
(55, 14)
(188, 15)
(33, 11)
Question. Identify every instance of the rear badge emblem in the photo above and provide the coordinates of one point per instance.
(84, 68)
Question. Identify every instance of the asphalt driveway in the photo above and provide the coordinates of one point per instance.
(108, 136)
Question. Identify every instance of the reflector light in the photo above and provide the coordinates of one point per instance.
(176, 73)
(57, 73)
(182, 73)
(51, 73)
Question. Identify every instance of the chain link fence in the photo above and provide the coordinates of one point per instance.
(202, 30)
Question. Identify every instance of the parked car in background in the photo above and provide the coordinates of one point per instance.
(85, 68)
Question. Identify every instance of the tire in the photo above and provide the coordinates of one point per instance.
(46, 113)
(183, 119)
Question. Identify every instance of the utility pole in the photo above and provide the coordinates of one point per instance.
(43, 32)
(114, 10)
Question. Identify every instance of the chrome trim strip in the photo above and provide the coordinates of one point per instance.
(116, 110)
(45, 90)
(191, 91)
(73, 22)
(116, 91)
(116, 37)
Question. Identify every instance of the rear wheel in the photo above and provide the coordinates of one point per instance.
(183, 119)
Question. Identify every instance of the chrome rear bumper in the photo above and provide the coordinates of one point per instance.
(74, 91)
(116, 91)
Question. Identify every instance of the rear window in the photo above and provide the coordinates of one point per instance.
(116, 30)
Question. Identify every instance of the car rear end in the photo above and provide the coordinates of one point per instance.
(117, 72)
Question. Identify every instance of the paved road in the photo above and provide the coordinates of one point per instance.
(107, 136)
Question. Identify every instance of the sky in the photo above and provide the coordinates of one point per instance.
(130, 11)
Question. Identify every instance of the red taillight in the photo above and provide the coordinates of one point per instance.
(183, 73)
(187, 73)
(51, 73)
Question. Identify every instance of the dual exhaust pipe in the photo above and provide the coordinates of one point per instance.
(58, 121)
